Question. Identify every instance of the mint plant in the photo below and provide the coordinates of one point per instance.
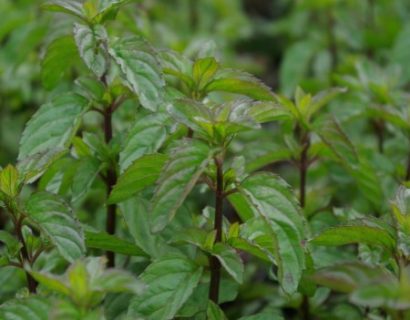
(158, 178)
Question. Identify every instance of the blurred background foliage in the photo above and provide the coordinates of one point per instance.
(311, 43)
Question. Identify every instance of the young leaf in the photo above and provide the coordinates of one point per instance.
(60, 57)
(9, 181)
(272, 200)
(140, 70)
(146, 136)
(108, 10)
(170, 282)
(53, 217)
(88, 40)
(322, 99)
(53, 125)
(141, 174)
(185, 165)
(203, 71)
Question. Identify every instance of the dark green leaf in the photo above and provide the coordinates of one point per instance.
(185, 165)
(347, 234)
(107, 242)
(60, 57)
(273, 201)
(53, 126)
(88, 40)
(141, 174)
(140, 70)
(31, 308)
(230, 261)
(170, 282)
(146, 136)
(53, 217)
(241, 83)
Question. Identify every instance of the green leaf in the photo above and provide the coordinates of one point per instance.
(73, 7)
(197, 237)
(34, 166)
(348, 234)
(269, 158)
(270, 314)
(203, 71)
(266, 111)
(360, 169)
(86, 171)
(141, 174)
(170, 282)
(321, 99)
(272, 200)
(31, 308)
(136, 215)
(53, 125)
(255, 238)
(368, 183)
(295, 65)
(399, 54)
(214, 312)
(12, 244)
(192, 114)
(60, 57)
(239, 82)
(185, 165)
(107, 242)
(348, 277)
(146, 136)
(89, 42)
(108, 10)
(140, 70)
(230, 260)
(392, 295)
(336, 139)
(9, 181)
(53, 217)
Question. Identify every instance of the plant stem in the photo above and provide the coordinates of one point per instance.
(193, 14)
(110, 181)
(379, 128)
(303, 168)
(215, 265)
(31, 282)
(407, 178)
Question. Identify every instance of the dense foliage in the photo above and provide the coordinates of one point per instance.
(204, 159)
